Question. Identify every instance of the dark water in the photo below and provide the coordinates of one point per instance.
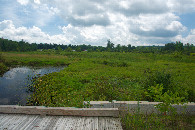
(13, 84)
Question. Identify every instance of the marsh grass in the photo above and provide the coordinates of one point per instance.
(33, 59)
(113, 76)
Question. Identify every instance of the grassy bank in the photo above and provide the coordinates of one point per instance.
(33, 59)
(3, 67)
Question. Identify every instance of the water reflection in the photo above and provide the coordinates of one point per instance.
(14, 82)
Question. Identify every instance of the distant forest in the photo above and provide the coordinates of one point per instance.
(22, 46)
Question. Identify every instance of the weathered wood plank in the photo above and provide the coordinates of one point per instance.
(39, 110)
(145, 107)
(27, 122)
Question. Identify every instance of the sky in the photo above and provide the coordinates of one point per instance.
(76, 22)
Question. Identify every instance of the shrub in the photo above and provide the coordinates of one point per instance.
(168, 98)
(164, 83)
(159, 78)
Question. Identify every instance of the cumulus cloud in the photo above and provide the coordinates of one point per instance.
(9, 31)
(190, 38)
(92, 12)
(96, 35)
(136, 7)
(88, 12)
(82, 13)
(135, 22)
(160, 25)
(6, 24)
(28, 12)
(43, 14)
(70, 35)
(181, 6)
(23, 2)
(145, 17)
(37, 1)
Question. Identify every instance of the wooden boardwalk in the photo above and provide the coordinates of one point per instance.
(47, 118)
(37, 122)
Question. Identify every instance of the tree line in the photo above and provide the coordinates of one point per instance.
(22, 46)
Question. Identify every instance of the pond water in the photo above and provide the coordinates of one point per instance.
(13, 84)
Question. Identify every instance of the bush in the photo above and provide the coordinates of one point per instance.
(161, 83)
(155, 78)
(115, 63)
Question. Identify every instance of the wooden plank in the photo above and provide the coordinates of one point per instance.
(145, 107)
(26, 122)
(39, 110)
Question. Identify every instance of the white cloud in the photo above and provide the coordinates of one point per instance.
(145, 17)
(125, 22)
(175, 26)
(136, 7)
(43, 14)
(27, 12)
(37, 1)
(190, 38)
(95, 35)
(181, 6)
(156, 25)
(92, 12)
(6, 24)
(23, 2)
(9, 31)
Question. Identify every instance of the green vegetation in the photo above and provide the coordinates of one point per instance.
(108, 76)
(33, 59)
(111, 76)
(109, 73)
(22, 46)
(160, 122)
(3, 67)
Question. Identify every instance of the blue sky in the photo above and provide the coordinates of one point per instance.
(140, 22)
(188, 20)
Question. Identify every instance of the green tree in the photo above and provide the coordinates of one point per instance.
(110, 46)
(78, 49)
(69, 49)
(179, 46)
(169, 47)
(118, 48)
(129, 47)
